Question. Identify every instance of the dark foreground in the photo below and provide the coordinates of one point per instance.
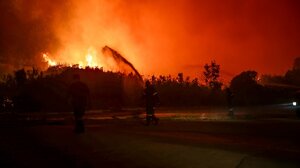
(173, 143)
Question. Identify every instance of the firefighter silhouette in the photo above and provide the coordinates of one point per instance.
(151, 97)
(79, 93)
(230, 96)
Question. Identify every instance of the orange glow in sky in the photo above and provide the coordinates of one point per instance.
(162, 36)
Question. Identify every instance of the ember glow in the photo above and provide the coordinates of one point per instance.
(90, 59)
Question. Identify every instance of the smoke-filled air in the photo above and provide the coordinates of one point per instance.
(149, 83)
(46, 33)
(157, 37)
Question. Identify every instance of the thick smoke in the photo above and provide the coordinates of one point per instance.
(159, 36)
(27, 29)
(64, 29)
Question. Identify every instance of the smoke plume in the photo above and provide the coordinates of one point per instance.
(158, 36)
(66, 30)
(27, 29)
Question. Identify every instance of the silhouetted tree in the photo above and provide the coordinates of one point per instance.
(180, 78)
(293, 76)
(46, 91)
(246, 88)
(211, 74)
(296, 64)
(195, 82)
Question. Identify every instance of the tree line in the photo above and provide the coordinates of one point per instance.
(34, 90)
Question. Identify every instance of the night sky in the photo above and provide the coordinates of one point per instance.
(158, 36)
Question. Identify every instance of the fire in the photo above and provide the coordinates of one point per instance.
(91, 60)
(108, 60)
(48, 60)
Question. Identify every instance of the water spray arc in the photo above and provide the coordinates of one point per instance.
(120, 59)
(93, 60)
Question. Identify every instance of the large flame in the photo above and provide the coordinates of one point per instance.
(92, 25)
(49, 60)
(108, 60)
(90, 59)
(114, 61)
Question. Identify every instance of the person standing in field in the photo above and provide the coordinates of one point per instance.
(80, 98)
(151, 97)
(229, 96)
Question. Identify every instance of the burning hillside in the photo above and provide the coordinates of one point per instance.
(108, 60)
